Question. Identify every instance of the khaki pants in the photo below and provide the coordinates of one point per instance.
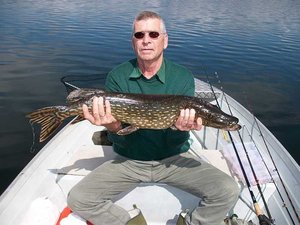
(91, 197)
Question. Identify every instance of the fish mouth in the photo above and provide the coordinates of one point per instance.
(233, 127)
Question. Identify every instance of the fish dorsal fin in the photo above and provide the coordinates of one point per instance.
(82, 94)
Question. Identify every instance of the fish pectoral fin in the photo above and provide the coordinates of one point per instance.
(127, 130)
(173, 127)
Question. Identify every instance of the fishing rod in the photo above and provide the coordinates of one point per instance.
(277, 171)
(279, 176)
(248, 158)
(273, 162)
(263, 219)
(273, 180)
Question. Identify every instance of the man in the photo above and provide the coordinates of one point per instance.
(150, 155)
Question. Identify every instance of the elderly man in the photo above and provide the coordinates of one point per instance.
(150, 155)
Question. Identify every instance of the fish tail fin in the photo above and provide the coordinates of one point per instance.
(50, 118)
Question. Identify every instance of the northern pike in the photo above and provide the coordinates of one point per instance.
(140, 111)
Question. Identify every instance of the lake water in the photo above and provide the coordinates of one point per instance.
(253, 45)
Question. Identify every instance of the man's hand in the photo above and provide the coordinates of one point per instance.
(185, 121)
(101, 114)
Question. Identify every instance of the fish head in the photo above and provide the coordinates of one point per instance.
(212, 116)
(231, 123)
(223, 121)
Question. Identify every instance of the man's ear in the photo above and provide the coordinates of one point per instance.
(166, 41)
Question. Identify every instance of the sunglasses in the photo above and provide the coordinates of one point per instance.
(152, 34)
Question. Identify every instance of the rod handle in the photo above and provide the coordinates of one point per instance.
(258, 210)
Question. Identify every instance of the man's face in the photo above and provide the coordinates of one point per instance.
(147, 48)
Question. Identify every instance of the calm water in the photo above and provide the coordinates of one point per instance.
(254, 46)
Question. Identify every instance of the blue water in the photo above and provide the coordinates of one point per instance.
(253, 45)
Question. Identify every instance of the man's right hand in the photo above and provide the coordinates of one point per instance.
(101, 114)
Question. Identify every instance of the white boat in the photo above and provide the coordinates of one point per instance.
(38, 194)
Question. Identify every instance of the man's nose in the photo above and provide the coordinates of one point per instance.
(146, 38)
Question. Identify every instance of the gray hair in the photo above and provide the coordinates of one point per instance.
(144, 15)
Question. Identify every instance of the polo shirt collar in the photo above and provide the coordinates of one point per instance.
(136, 72)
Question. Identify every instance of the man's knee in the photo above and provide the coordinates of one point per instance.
(74, 200)
(230, 188)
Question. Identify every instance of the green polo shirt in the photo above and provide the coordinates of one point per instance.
(148, 144)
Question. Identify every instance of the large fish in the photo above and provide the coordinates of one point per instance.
(140, 111)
